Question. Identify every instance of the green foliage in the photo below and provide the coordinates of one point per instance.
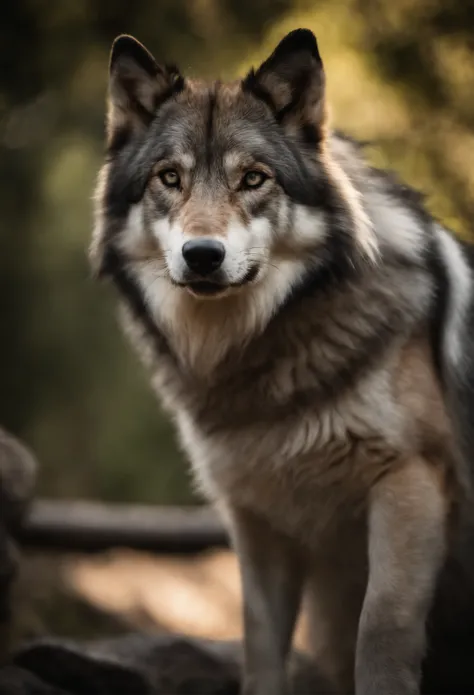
(399, 74)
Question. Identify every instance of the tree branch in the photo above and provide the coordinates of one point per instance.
(91, 526)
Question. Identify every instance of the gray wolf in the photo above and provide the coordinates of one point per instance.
(307, 325)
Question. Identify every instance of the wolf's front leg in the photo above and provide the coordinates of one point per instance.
(271, 574)
(407, 540)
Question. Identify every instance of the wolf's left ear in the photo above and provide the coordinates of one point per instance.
(291, 81)
(137, 86)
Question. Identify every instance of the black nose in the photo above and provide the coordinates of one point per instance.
(203, 256)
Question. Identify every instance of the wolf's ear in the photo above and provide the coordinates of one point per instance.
(137, 87)
(291, 81)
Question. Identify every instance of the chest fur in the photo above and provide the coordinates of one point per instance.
(306, 470)
(299, 433)
(310, 466)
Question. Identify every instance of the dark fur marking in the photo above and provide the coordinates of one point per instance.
(119, 138)
(290, 220)
(337, 260)
(311, 135)
(461, 385)
(131, 167)
(209, 128)
(115, 268)
(438, 270)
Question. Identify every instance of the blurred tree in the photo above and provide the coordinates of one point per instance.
(424, 48)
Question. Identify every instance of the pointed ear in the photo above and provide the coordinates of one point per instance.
(291, 81)
(137, 87)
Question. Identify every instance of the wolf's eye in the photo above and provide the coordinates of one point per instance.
(170, 178)
(254, 179)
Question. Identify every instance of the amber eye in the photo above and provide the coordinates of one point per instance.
(254, 179)
(170, 178)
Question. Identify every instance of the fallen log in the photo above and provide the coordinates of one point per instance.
(84, 526)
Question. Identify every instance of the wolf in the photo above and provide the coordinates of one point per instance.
(307, 325)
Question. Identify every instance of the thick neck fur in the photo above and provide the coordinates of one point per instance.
(201, 333)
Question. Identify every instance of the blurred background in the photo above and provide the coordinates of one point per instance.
(399, 74)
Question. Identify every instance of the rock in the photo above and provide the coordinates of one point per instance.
(17, 479)
(17, 681)
(138, 664)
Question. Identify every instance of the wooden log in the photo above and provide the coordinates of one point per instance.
(84, 526)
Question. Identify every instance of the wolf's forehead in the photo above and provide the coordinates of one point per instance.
(214, 123)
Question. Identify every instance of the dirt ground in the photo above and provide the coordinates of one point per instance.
(86, 595)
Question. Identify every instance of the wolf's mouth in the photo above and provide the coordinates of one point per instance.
(207, 288)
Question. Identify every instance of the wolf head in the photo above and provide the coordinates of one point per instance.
(217, 190)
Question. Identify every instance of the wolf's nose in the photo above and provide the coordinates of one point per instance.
(203, 256)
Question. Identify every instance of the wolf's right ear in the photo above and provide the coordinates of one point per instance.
(292, 83)
(137, 87)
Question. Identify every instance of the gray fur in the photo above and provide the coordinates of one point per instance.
(302, 393)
